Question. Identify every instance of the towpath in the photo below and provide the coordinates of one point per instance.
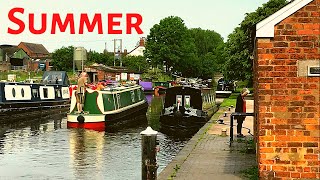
(208, 155)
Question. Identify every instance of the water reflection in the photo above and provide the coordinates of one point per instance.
(154, 110)
(86, 153)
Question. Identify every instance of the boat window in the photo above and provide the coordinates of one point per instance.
(13, 92)
(22, 92)
(35, 93)
(58, 93)
(179, 100)
(132, 95)
(187, 101)
(118, 100)
(45, 92)
(139, 94)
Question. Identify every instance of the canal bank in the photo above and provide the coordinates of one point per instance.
(208, 156)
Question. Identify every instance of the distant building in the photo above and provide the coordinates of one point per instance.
(13, 58)
(25, 56)
(139, 49)
(40, 56)
(35, 51)
(99, 72)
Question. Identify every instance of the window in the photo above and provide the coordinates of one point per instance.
(35, 93)
(118, 100)
(13, 92)
(187, 101)
(58, 93)
(132, 96)
(179, 100)
(139, 94)
(22, 92)
(45, 92)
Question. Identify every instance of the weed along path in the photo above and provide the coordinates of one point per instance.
(208, 155)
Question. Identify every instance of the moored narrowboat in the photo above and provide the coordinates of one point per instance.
(161, 86)
(52, 91)
(186, 109)
(147, 86)
(111, 106)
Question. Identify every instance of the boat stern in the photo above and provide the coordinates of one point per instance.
(87, 121)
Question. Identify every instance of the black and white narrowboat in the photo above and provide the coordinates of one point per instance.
(186, 109)
(52, 91)
(109, 107)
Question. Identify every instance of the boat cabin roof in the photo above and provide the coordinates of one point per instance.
(55, 77)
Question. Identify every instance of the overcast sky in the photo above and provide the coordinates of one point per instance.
(221, 16)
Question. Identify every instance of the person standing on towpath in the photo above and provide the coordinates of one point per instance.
(241, 108)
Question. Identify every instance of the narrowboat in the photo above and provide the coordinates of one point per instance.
(111, 106)
(53, 90)
(186, 109)
(161, 86)
(147, 86)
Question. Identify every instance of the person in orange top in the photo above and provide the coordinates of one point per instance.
(241, 108)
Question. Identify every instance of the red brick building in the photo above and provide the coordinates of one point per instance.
(35, 51)
(287, 83)
(99, 72)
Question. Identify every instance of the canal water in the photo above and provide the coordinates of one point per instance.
(44, 148)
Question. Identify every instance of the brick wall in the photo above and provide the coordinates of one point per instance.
(287, 104)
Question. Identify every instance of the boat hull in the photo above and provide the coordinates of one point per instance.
(101, 122)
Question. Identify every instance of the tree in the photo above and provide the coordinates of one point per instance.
(62, 59)
(239, 47)
(136, 63)
(209, 47)
(170, 43)
(100, 58)
(205, 40)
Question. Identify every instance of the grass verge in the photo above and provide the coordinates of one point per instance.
(251, 173)
(231, 101)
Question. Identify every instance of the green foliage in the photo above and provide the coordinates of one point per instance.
(170, 43)
(209, 49)
(232, 100)
(100, 58)
(22, 75)
(156, 74)
(251, 173)
(228, 102)
(239, 47)
(62, 59)
(191, 52)
(136, 63)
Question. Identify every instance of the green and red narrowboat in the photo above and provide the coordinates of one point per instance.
(108, 107)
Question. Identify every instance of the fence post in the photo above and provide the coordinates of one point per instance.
(148, 153)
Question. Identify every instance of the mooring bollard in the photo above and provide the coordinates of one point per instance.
(223, 132)
(148, 153)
